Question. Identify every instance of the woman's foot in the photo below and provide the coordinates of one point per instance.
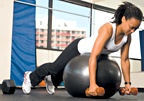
(26, 86)
(49, 85)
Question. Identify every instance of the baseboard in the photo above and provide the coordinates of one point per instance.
(62, 87)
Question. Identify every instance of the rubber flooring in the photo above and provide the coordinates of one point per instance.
(40, 94)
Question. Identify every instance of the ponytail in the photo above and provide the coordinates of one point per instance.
(128, 10)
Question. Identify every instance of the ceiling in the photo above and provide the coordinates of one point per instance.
(114, 3)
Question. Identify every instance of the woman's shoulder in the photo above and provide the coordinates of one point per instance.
(109, 24)
(106, 30)
(107, 27)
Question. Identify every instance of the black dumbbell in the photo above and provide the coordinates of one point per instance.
(8, 87)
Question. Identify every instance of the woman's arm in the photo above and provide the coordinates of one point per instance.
(104, 34)
(125, 63)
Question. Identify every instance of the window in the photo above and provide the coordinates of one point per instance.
(63, 23)
(69, 23)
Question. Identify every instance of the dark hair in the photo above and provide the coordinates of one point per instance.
(128, 10)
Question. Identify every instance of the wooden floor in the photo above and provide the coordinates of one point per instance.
(40, 94)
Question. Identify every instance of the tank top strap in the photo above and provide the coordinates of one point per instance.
(114, 30)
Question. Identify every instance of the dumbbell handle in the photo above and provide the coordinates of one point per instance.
(134, 91)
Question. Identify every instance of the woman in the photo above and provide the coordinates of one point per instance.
(111, 37)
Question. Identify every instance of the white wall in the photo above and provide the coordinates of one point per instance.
(6, 19)
(44, 56)
(137, 79)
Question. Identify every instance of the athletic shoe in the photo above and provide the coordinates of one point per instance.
(49, 85)
(26, 86)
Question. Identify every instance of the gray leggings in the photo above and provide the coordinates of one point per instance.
(56, 68)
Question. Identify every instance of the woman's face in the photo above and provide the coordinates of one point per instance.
(130, 25)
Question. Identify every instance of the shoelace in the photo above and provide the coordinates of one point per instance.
(25, 79)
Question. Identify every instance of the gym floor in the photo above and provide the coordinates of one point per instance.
(40, 94)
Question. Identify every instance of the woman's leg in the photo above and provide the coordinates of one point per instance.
(57, 66)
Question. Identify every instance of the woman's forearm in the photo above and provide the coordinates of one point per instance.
(126, 70)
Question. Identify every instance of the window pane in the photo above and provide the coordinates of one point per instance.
(41, 23)
(69, 7)
(99, 18)
(43, 3)
(67, 27)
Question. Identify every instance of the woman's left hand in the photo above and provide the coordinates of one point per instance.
(127, 89)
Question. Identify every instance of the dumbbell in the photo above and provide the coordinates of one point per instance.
(8, 87)
(134, 91)
(100, 92)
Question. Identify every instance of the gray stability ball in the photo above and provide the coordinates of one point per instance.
(76, 75)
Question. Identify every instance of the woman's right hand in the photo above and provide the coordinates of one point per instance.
(92, 90)
(95, 90)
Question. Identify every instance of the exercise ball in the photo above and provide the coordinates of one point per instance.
(76, 75)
